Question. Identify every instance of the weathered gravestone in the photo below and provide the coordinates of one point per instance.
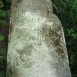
(36, 41)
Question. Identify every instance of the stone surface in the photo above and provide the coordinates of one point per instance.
(36, 41)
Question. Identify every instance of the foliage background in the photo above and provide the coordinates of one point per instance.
(66, 10)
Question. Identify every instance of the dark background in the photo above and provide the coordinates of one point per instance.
(66, 10)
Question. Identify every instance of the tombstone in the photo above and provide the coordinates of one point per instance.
(36, 41)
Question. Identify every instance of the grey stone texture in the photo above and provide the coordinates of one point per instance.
(36, 41)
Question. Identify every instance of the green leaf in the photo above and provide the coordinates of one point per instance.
(2, 74)
(1, 4)
(74, 35)
(3, 13)
(3, 22)
(2, 37)
(4, 50)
